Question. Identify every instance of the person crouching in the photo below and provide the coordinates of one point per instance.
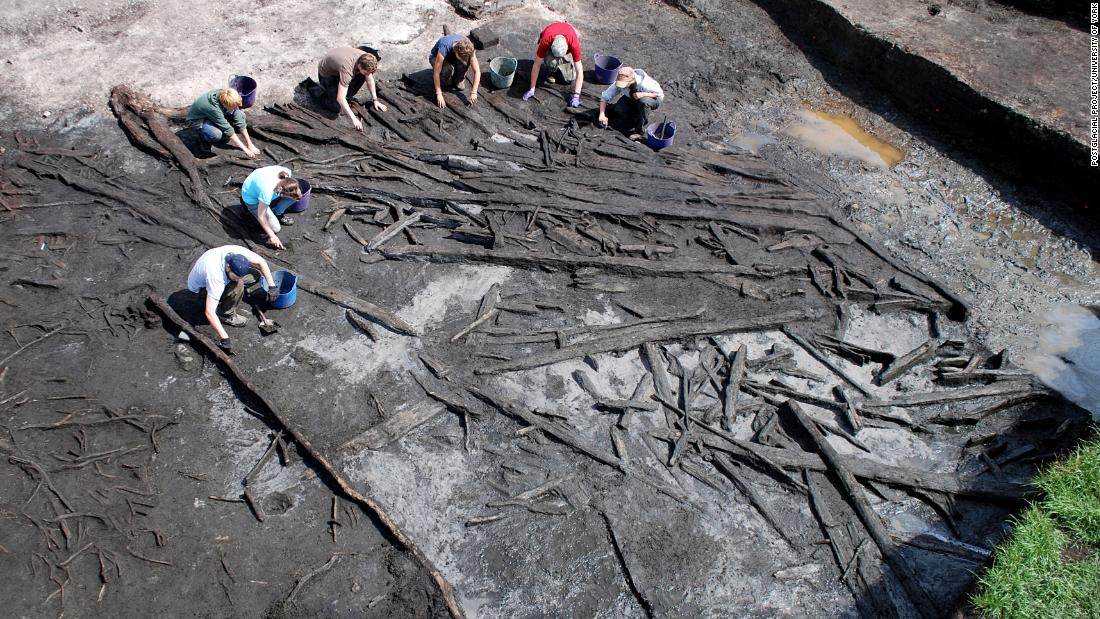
(217, 117)
(451, 57)
(221, 275)
(267, 193)
(633, 95)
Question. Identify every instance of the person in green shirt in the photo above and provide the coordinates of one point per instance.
(218, 118)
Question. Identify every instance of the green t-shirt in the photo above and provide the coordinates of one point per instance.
(207, 108)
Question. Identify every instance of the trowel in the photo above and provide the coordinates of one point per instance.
(267, 326)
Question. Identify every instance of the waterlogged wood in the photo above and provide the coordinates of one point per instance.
(871, 521)
(906, 362)
(1015, 388)
(816, 353)
(393, 230)
(729, 469)
(345, 299)
(733, 386)
(614, 264)
(518, 411)
(761, 456)
(395, 426)
(445, 587)
(650, 333)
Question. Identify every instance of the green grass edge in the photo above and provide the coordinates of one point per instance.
(1031, 577)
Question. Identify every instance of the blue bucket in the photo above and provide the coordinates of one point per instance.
(246, 86)
(287, 283)
(606, 68)
(660, 135)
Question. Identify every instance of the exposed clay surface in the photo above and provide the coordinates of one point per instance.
(601, 542)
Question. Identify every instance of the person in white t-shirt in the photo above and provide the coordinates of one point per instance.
(221, 275)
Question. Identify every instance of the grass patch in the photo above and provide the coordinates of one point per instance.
(1072, 489)
(1032, 576)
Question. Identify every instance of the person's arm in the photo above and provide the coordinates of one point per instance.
(580, 78)
(535, 70)
(236, 141)
(247, 139)
(603, 112)
(261, 216)
(342, 99)
(477, 78)
(437, 68)
(212, 318)
(378, 105)
(265, 270)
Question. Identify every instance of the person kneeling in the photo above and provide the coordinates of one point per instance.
(267, 193)
(217, 117)
(632, 95)
(451, 57)
(341, 73)
(221, 275)
(559, 49)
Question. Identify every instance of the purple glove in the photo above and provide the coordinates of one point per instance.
(575, 101)
(527, 95)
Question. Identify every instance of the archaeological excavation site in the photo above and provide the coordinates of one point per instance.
(743, 308)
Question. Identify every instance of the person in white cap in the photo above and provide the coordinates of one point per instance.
(221, 275)
(560, 40)
(632, 95)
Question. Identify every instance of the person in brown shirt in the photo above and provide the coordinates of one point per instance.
(341, 73)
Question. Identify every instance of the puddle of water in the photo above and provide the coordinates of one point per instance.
(1066, 356)
(753, 142)
(836, 134)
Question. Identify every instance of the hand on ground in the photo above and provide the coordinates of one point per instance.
(575, 101)
(602, 120)
(357, 124)
(527, 95)
(440, 101)
(274, 241)
(379, 106)
(226, 345)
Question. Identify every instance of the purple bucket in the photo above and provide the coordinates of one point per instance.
(660, 135)
(606, 68)
(302, 204)
(246, 86)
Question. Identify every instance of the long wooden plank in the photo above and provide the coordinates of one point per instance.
(396, 426)
(650, 333)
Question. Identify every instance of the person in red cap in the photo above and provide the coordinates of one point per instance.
(559, 48)
(221, 275)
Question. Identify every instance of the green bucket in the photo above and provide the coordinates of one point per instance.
(501, 71)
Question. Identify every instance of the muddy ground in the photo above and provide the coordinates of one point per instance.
(205, 441)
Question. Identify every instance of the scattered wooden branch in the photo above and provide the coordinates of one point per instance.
(212, 349)
(875, 528)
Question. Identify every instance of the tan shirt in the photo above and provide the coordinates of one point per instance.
(339, 62)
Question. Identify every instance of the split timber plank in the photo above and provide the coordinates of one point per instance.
(370, 310)
(396, 426)
(865, 468)
(614, 264)
(650, 333)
